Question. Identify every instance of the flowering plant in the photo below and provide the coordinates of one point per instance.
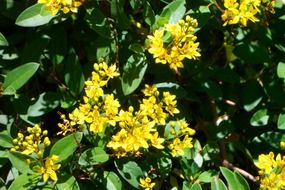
(141, 94)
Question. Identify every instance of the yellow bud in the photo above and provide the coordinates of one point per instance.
(45, 132)
(282, 145)
(46, 141)
(20, 136)
(40, 153)
(25, 144)
(15, 141)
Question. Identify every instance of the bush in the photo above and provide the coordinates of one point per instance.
(142, 94)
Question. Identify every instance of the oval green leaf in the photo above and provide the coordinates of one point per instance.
(25, 182)
(281, 70)
(113, 181)
(281, 121)
(3, 41)
(196, 186)
(16, 78)
(259, 118)
(46, 102)
(93, 156)
(134, 71)
(235, 181)
(130, 171)
(217, 184)
(67, 182)
(35, 15)
(19, 161)
(66, 146)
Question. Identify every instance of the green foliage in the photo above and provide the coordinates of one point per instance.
(231, 94)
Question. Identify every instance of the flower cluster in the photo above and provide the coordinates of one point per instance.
(174, 42)
(98, 108)
(271, 171)
(65, 6)
(49, 169)
(245, 10)
(31, 143)
(135, 129)
(146, 183)
(179, 129)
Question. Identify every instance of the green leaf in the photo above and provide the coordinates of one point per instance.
(174, 11)
(133, 74)
(113, 181)
(16, 78)
(98, 22)
(130, 171)
(34, 16)
(251, 95)
(259, 118)
(6, 140)
(207, 176)
(217, 184)
(25, 182)
(3, 41)
(67, 182)
(19, 161)
(66, 146)
(73, 75)
(281, 121)
(235, 181)
(281, 70)
(46, 102)
(148, 14)
(93, 156)
(196, 186)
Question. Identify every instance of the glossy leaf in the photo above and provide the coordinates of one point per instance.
(93, 156)
(196, 186)
(130, 171)
(46, 102)
(281, 70)
(25, 182)
(281, 121)
(3, 41)
(19, 161)
(134, 71)
(113, 181)
(66, 146)
(16, 78)
(259, 118)
(174, 11)
(217, 184)
(34, 15)
(6, 140)
(235, 181)
(67, 183)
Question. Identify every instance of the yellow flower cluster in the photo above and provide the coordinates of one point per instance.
(65, 6)
(179, 129)
(138, 128)
(30, 143)
(49, 168)
(244, 11)
(98, 108)
(146, 183)
(174, 42)
(271, 171)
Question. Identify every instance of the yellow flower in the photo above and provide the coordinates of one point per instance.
(180, 43)
(244, 11)
(177, 146)
(146, 183)
(49, 169)
(156, 141)
(65, 6)
(271, 171)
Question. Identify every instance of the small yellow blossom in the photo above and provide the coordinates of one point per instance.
(180, 43)
(65, 6)
(271, 171)
(146, 183)
(48, 170)
(245, 10)
(282, 145)
(177, 146)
